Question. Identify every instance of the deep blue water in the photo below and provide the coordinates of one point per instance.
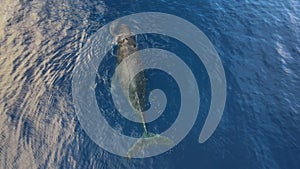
(258, 43)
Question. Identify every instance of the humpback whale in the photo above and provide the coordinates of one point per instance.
(136, 95)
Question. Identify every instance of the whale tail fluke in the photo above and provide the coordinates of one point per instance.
(147, 140)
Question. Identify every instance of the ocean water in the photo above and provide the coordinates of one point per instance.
(258, 43)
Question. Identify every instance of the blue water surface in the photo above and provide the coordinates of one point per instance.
(258, 43)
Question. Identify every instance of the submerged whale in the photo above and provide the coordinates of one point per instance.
(136, 95)
(137, 90)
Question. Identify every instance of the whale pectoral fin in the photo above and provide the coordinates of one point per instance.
(148, 140)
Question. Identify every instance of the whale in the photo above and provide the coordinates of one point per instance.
(136, 94)
(126, 46)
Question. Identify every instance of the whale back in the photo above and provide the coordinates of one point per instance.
(137, 88)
